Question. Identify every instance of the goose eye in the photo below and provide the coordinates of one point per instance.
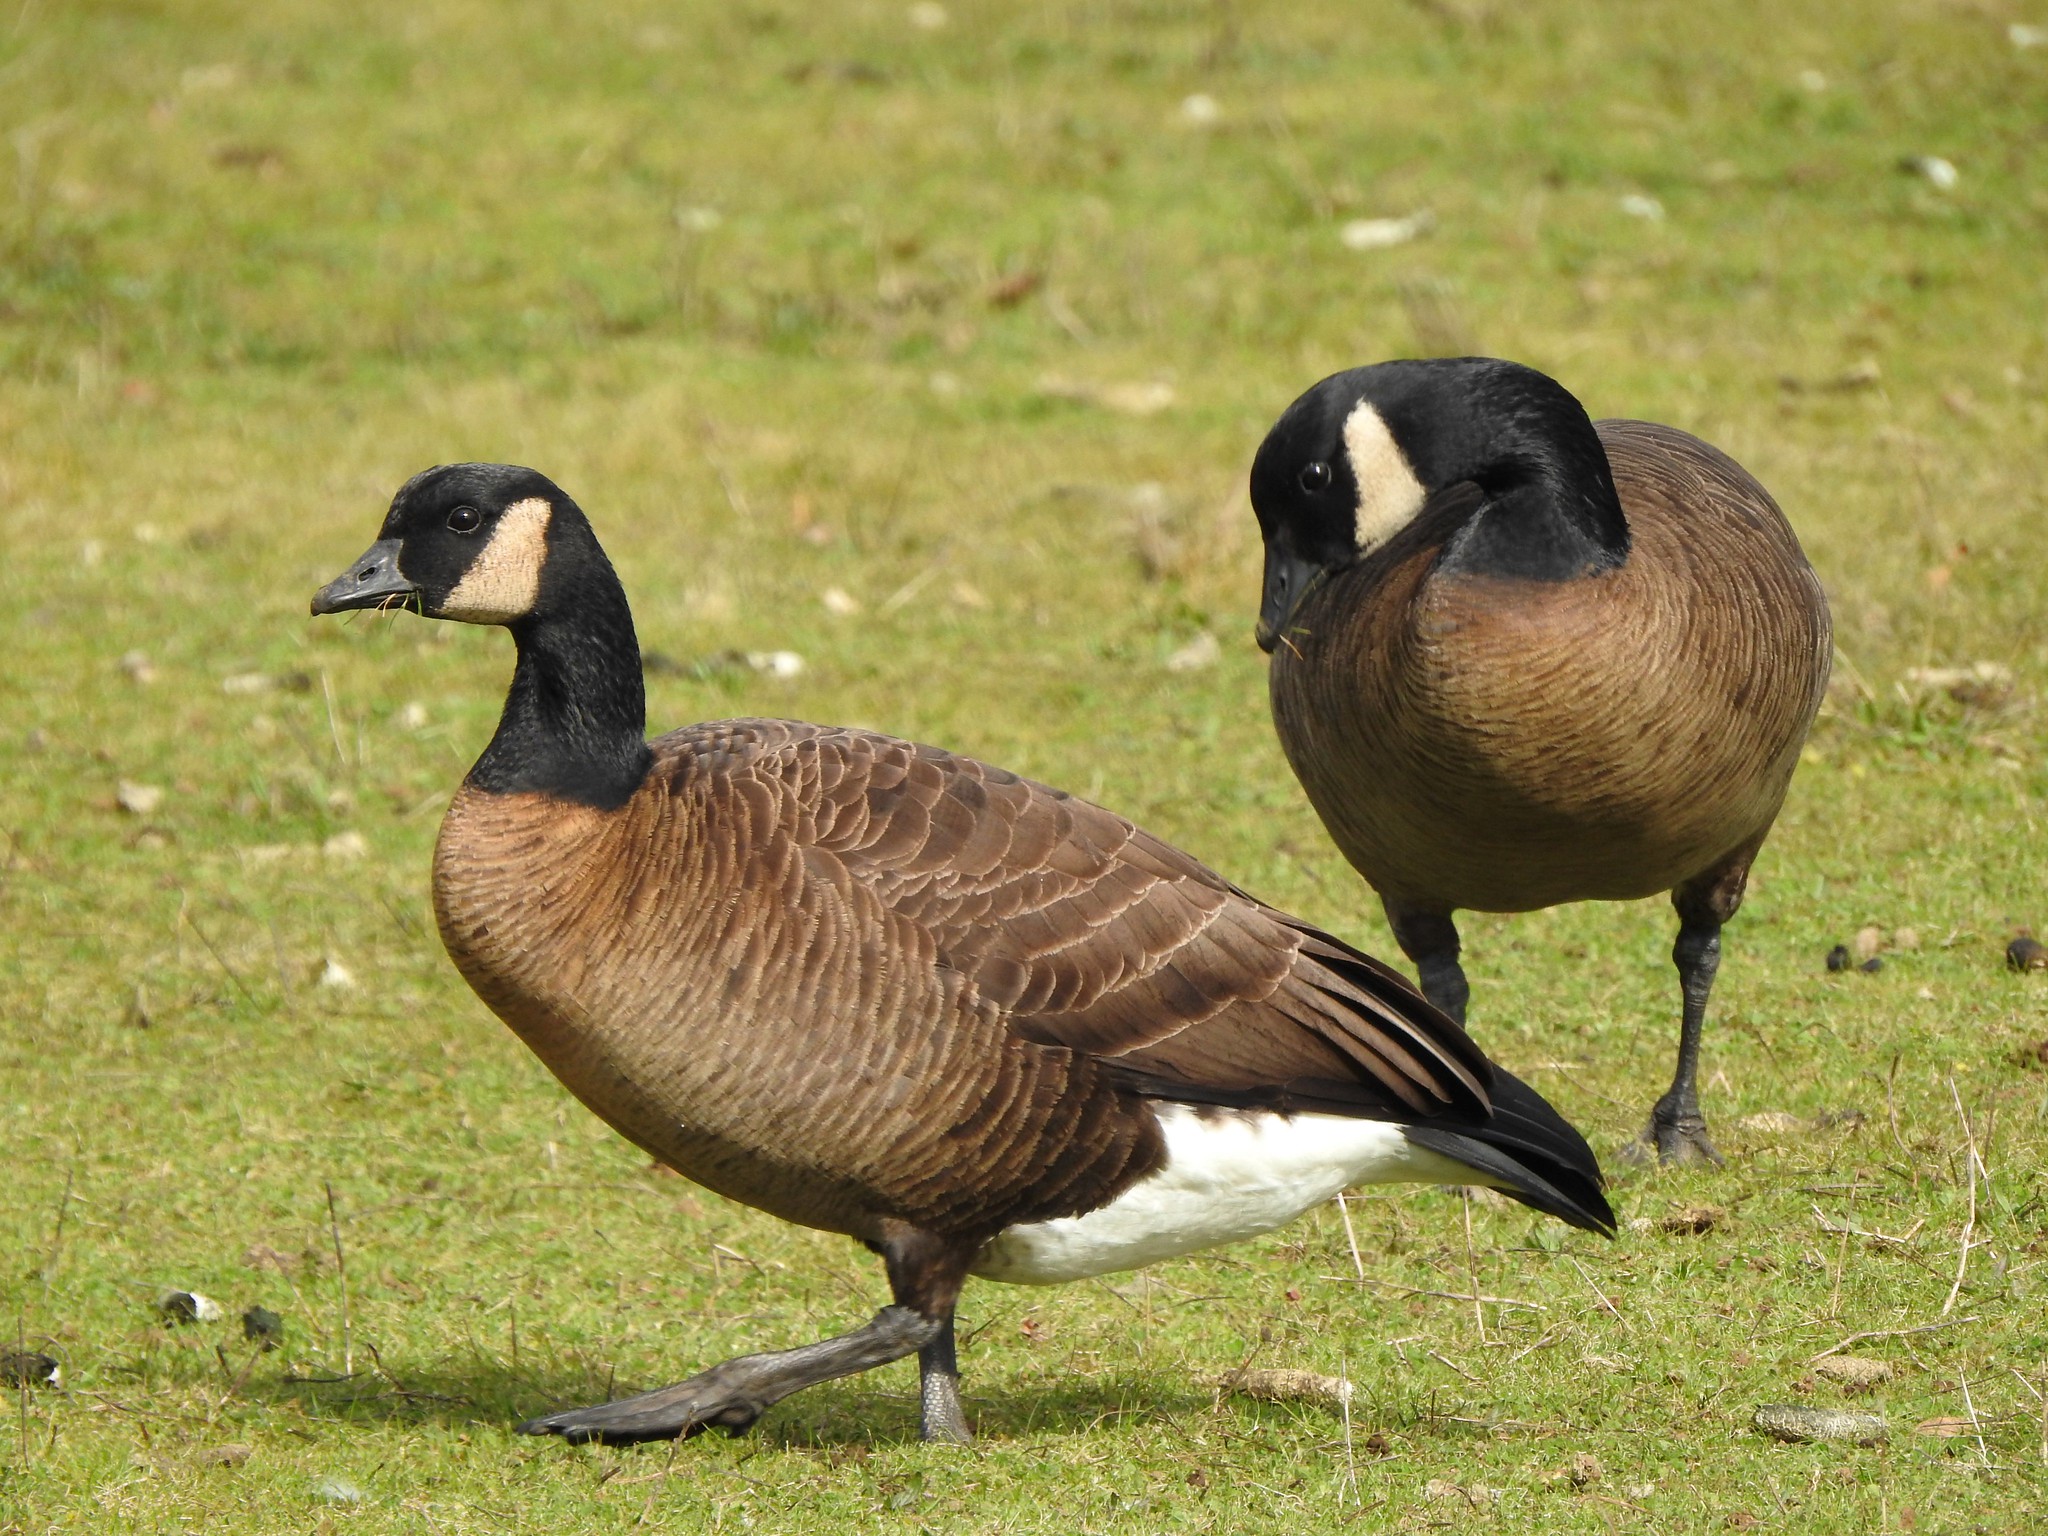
(1315, 476)
(465, 519)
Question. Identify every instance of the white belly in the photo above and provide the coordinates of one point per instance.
(1229, 1175)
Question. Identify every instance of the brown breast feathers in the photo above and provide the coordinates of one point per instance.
(1501, 744)
(844, 978)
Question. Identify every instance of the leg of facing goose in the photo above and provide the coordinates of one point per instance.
(924, 1273)
(1430, 940)
(1677, 1130)
(940, 1416)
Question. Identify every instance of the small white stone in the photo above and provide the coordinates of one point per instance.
(928, 16)
(1637, 206)
(139, 667)
(91, 553)
(335, 975)
(838, 600)
(1201, 110)
(248, 682)
(1813, 80)
(698, 219)
(1138, 399)
(1202, 651)
(346, 845)
(1940, 174)
(209, 77)
(138, 799)
(2024, 36)
(783, 664)
(1380, 234)
(413, 716)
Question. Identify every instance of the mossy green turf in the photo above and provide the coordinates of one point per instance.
(799, 298)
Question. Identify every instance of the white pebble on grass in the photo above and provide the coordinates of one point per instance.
(337, 977)
(138, 799)
(784, 664)
(2021, 35)
(1380, 234)
(1200, 110)
(1939, 174)
(1637, 206)
(928, 16)
(1202, 651)
(839, 601)
(346, 845)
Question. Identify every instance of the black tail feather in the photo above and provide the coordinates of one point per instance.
(1530, 1150)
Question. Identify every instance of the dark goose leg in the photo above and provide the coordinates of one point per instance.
(1430, 939)
(1677, 1131)
(925, 1274)
(939, 1412)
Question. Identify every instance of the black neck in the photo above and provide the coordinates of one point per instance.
(1558, 523)
(575, 719)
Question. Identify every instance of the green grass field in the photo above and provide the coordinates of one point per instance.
(936, 354)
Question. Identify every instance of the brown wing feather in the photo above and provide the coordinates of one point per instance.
(1088, 933)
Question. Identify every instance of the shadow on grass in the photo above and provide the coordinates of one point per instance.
(490, 1395)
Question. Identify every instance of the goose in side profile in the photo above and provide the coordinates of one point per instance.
(878, 989)
(1521, 658)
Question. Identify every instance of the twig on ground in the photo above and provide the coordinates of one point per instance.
(1890, 1333)
(1891, 1109)
(348, 1352)
(333, 726)
(57, 1231)
(1598, 1295)
(1344, 1399)
(1976, 1426)
(1472, 1272)
(218, 958)
(1841, 1263)
(1416, 1290)
(1445, 1360)
(1901, 1241)
(1351, 1236)
(1970, 1167)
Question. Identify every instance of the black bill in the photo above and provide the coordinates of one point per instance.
(371, 581)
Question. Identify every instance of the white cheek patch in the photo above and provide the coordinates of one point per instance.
(503, 582)
(1389, 495)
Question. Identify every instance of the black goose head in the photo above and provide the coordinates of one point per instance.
(1362, 454)
(479, 543)
(497, 544)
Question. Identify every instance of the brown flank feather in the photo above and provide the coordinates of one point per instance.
(846, 979)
